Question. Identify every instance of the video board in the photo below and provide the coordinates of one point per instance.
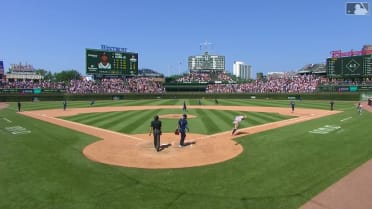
(354, 66)
(102, 62)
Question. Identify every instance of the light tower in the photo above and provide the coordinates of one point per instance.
(205, 46)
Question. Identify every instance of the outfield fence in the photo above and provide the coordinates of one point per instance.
(346, 96)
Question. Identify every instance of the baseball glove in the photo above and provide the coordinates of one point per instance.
(177, 132)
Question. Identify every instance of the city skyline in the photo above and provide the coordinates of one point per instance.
(269, 36)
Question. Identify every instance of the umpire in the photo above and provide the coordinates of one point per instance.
(155, 128)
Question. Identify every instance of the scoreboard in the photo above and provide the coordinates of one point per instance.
(1, 67)
(354, 66)
(103, 62)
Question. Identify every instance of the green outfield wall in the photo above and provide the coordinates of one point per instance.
(346, 96)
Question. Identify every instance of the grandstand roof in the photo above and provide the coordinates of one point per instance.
(313, 68)
(149, 72)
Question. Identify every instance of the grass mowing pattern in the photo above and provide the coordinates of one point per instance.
(281, 168)
(235, 102)
(206, 122)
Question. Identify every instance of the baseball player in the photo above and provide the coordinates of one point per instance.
(237, 121)
(360, 108)
(64, 104)
(292, 106)
(184, 108)
(182, 127)
(91, 102)
(19, 106)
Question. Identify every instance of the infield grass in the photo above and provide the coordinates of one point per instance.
(206, 121)
(281, 168)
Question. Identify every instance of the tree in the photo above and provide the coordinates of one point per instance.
(46, 74)
(67, 75)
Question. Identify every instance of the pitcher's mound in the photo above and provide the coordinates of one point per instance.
(175, 116)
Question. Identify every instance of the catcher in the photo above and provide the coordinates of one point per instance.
(237, 121)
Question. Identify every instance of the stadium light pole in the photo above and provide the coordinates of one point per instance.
(171, 68)
(179, 68)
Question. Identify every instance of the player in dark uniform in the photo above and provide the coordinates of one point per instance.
(19, 106)
(182, 127)
(184, 108)
(91, 102)
(64, 104)
(292, 106)
(155, 128)
(332, 103)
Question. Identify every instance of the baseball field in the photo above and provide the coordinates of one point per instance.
(101, 156)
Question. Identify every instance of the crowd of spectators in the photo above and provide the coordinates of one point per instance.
(224, 77)
(195, 77)
(115, 85)
(106, 85)
(284, 84)
(31, 85)
(205, 77)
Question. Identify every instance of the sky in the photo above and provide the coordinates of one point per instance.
(269, 35)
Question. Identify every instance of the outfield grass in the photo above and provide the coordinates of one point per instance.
(281, 168)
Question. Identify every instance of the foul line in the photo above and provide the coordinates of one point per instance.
(262, 125)
(87, 126)
(346, 119)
